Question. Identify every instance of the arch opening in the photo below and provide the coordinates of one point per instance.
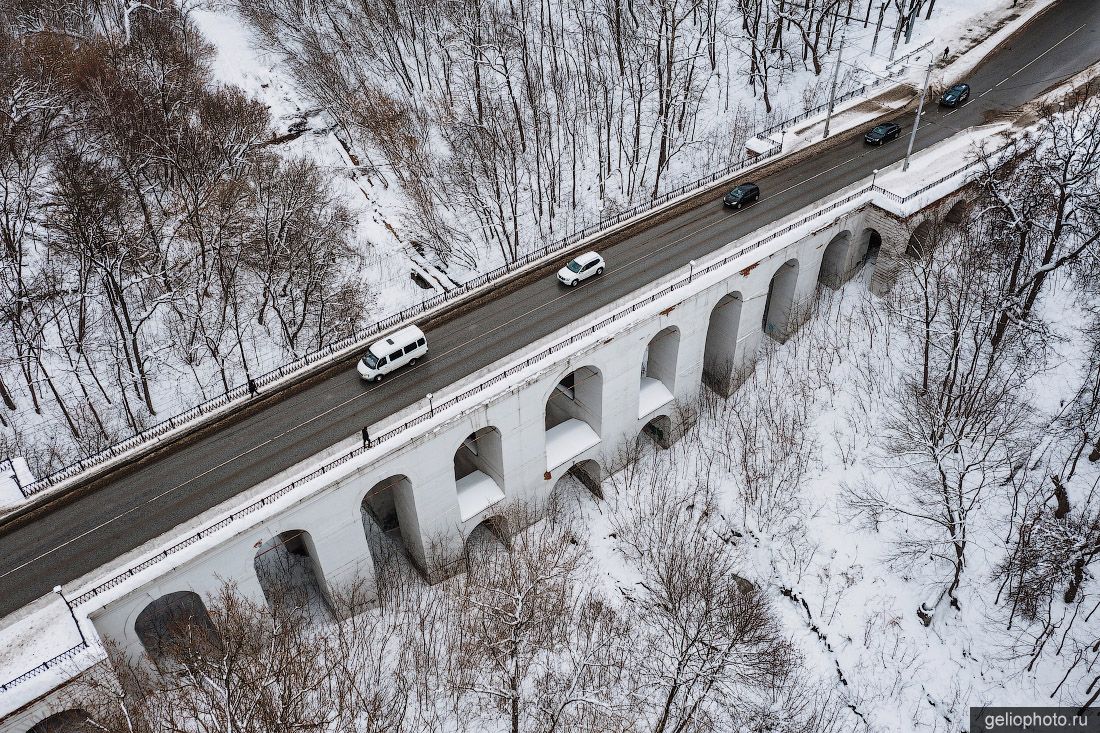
(290, 574)
(658, 430)
(920, 241)
(479, 471)
(957, 213)
(584, 476)
(867, 251)
(778, 319)
(490, 535)
(574, 415)
(658, 377)
(381, 510)
(834, 262)
(720, 351)
(176, 627)
(67, 721)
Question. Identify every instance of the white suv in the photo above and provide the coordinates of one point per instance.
(581, 268)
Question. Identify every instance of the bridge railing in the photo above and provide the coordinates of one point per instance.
(858, 91)
(49, 664)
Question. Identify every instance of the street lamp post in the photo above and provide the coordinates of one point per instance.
(691, 269)
(57, 590)
(920, 111)
(431, 406)
(874, 176)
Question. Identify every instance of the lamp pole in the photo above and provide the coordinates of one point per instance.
(431, 406)
(57, 590)
(691, 269)
(920, 111)
(874, 176)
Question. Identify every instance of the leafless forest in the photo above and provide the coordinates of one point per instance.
(159, 249)
(504, 121)
(151, 239)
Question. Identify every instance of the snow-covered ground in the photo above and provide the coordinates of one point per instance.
(860, 617)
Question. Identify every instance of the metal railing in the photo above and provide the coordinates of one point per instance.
(61, 658)
(823, 107)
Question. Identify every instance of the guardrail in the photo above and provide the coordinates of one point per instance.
(822, 107)
(61, 658)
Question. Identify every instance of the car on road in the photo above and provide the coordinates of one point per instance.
(956, 95)
(743, 195)
(396, 350)
(581, 268)
(883, 133)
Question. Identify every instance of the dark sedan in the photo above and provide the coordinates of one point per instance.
(885, 132)
(956, 95)
(743, 195)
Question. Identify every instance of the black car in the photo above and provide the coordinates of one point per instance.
(956, 95)
(885, 132)
(743, 195)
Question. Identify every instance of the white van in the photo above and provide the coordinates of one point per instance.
(396, 350)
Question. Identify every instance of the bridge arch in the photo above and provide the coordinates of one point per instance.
(720, 351)
(290, 574)
(834, 261)
(176, 626)
(73, 720)
(381, 508)
(487, 534)
(573, 415)
(587, 473)
(658, 430)
(870, 242)
(920, 241)
(658, 377)
(779, 307)
(958, 212)
(479, 471)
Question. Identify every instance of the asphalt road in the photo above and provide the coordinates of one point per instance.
(77, 537)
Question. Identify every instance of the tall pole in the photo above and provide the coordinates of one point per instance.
(920, 110)
(57, 590)
(832, 86)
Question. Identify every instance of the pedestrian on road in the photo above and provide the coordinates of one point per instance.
(366, 438)
(946, 51)
(252, 388)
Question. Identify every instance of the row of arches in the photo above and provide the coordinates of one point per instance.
(287, 565)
